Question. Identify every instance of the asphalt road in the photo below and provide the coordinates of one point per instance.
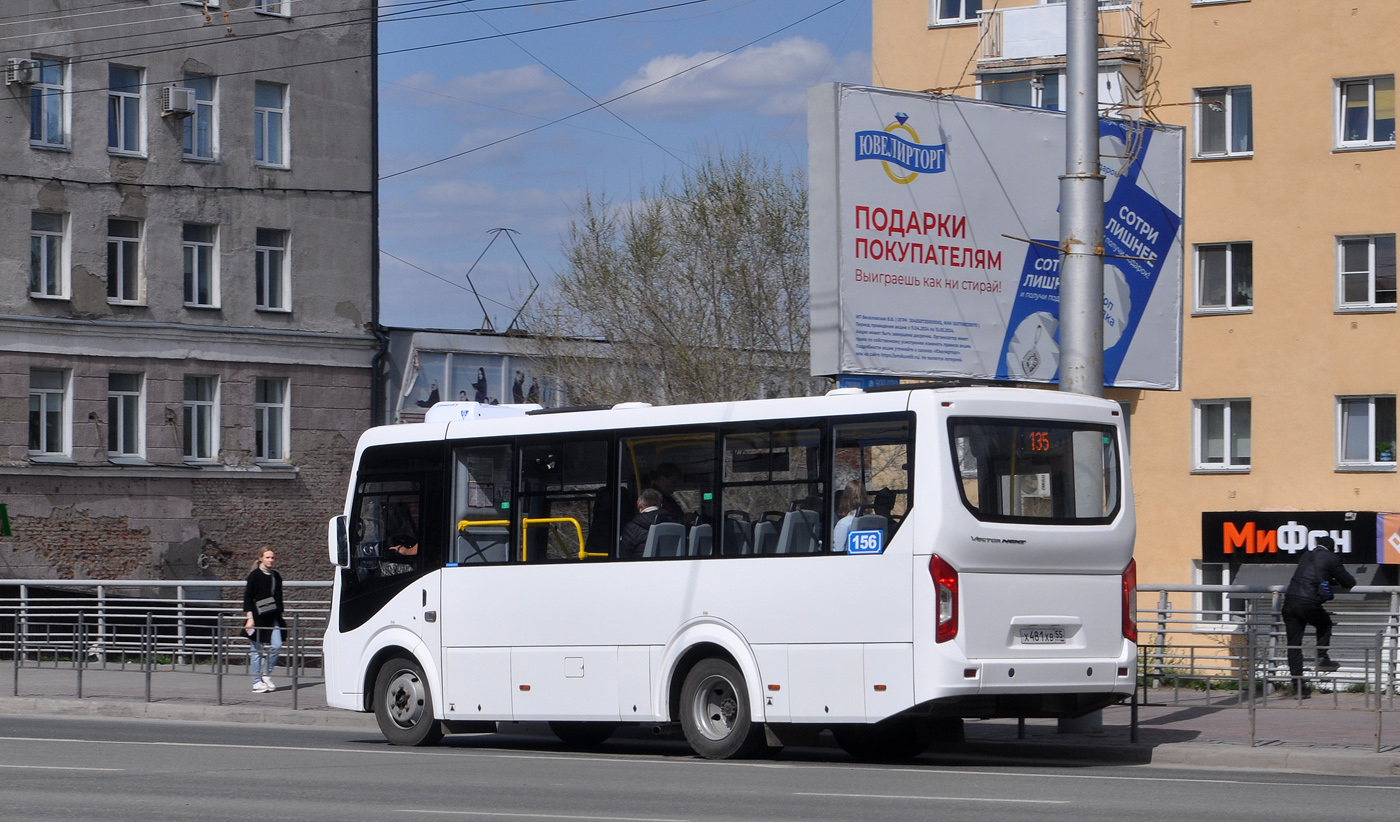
(64, 770)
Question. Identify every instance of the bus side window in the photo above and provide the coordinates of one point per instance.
(772, 479)
(870, 477)
(679, 468)
(557, 495)
(481, 505)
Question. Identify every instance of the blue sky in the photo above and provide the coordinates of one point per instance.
(436, 221)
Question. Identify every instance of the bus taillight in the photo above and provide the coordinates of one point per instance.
(1130, 601)
(945, 580)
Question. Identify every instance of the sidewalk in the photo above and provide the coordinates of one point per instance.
(1328, 734)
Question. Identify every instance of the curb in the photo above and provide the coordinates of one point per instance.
(121, 709)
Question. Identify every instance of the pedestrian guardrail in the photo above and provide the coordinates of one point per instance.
(1228, 647)
(148, 626)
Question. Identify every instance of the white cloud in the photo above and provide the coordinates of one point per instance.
(768, 80)
(528, 90)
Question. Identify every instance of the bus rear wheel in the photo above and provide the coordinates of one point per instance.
(714, 712)
(403, 705)
(583, 734)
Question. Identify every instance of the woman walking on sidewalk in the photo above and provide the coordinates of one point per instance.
(262, 606)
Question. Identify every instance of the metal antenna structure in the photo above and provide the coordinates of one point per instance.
(486, 324)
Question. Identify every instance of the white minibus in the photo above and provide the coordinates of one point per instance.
(883, 564)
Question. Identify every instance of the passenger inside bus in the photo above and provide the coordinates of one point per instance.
(850, 506)
(666, 479)
(633, 541)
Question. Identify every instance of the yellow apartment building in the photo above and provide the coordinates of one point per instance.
(1285, 424)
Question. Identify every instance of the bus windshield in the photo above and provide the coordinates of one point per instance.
(1039, 471)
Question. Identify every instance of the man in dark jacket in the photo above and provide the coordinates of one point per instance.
(649, 512)
(1302, 606)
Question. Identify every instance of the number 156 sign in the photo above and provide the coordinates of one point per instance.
(865, 542)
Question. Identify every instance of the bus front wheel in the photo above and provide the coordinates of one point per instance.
(403, 704)
(715, 713)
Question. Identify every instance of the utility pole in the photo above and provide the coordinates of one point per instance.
(1081, 208)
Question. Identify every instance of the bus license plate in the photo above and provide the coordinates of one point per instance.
(1042, 635)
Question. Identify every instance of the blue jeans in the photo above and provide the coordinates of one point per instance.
(264, 656)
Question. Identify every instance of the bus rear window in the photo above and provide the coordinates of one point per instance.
(1039, 471)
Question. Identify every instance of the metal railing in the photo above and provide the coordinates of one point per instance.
(1236, 654)
(148, 626)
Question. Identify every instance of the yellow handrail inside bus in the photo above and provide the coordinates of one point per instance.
(526, 522)
(483, 523)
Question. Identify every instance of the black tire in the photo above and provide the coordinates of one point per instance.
(404, 705)
(892, 740)
(583, 734)
(714, 712)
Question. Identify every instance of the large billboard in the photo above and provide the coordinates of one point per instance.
(935, 233)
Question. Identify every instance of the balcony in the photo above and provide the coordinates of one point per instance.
(1024, 35)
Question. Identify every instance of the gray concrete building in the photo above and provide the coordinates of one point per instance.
(187, 249)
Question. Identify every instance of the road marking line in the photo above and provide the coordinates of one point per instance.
(544, 816)
(59, 768)
(938, 798)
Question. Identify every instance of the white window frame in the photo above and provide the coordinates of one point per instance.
(1370, 303)
(48, 397)
(1231, 253)
(199, 434)
(936, 18)
(199, 255)
(1339, 102)
(1221, 614)
(122, 403)
(43, 95)
(267, 122)
(206, 112)
(273, 8)
(1228, 105)
(1372, 462)
(271, 415)
(122, 104)
(269, 261)
(48, 253)
(1228, 410)
(119, 278)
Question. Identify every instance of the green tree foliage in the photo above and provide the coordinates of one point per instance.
(699, 288)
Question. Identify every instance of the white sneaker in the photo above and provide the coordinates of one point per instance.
(260, 687)
(268, 684)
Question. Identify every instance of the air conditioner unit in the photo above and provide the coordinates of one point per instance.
(176, 101)
(21, 71)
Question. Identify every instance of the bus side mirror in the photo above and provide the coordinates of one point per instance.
(338, 539)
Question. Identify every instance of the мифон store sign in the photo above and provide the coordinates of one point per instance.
(1277, 536)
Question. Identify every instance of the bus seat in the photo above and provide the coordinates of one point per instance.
(664, 539)
(870, 522)
(701, 541)
(799, 534)
(765, 537)
(738, 537)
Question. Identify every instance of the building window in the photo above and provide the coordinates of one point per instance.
(270, 419)
(123, 261)
(46, 274)
(277, 7)
(201, 280)
(1222, 435)
(270, 124)
(48, 114)
(1366, 112)
(201, 417)
(125, 413)
(1224, 122)
(1366, 272)
(48, 412)
(201, 128)
(1225, 277)
(123, 110)
(271, 269)
(1034, 89)
(1216, 606)
(1366, 432)
(953, 12)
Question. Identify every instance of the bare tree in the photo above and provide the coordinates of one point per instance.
(699, 289)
